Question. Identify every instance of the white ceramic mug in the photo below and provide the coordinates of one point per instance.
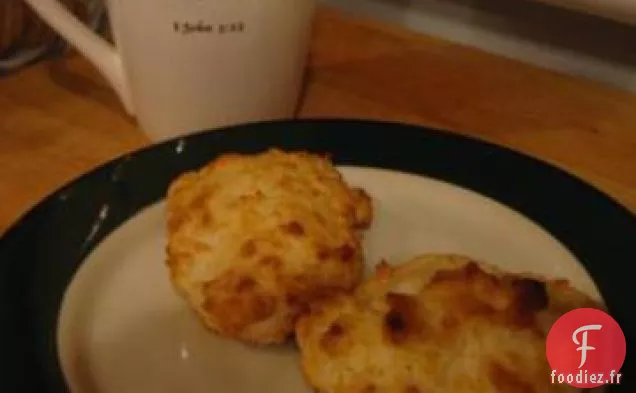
(186, 65)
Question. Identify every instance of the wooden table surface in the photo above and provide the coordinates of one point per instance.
(59, 118)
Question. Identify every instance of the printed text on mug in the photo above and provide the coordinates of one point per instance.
(211, 28)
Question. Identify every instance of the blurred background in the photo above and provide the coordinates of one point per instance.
(24, 38)
(587, 38)
(595, 39)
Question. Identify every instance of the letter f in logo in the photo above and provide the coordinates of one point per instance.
(584, 347)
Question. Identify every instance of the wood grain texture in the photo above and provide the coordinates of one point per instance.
(59, 118)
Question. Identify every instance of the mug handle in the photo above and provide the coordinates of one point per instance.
(97, 50)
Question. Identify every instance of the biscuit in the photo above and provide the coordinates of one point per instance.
(253, 238)
(436, 324)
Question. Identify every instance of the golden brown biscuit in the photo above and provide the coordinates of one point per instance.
(437, 324)
(253, 238)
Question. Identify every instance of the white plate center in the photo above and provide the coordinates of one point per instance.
(124, 330)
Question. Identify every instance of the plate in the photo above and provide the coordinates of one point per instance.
(85, 301)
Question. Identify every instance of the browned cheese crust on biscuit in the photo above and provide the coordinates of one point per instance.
(252, 239)
(436, 324)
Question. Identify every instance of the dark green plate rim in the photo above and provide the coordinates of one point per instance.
(40, 253)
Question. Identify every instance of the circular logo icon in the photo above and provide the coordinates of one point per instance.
(586, 349)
